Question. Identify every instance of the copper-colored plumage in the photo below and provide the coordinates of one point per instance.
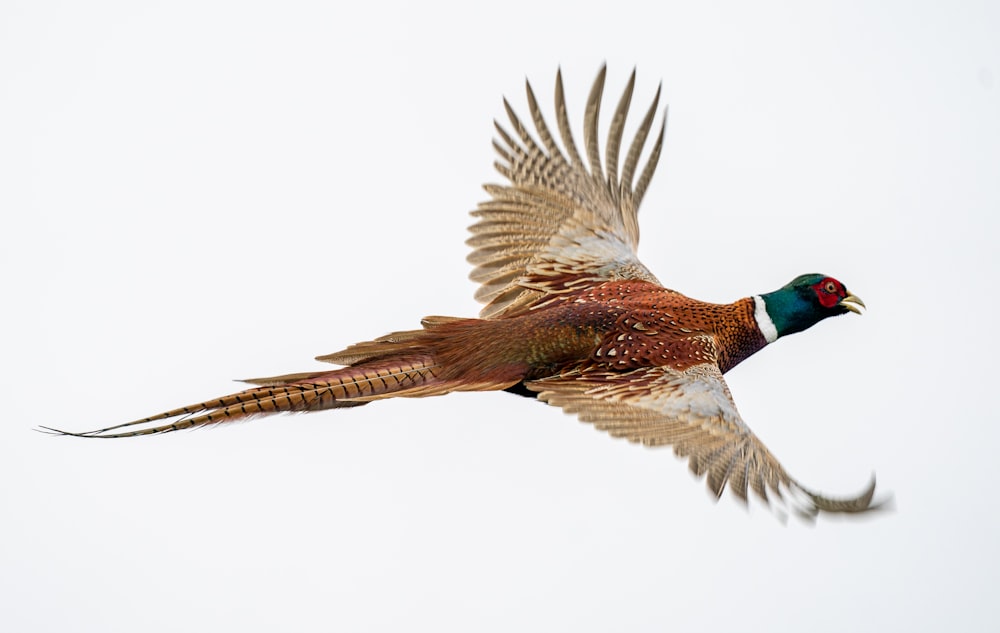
(572, 316)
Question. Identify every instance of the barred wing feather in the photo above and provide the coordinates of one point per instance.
(692, 410)
(560, 223)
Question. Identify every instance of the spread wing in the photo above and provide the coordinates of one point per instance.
(694, 411)
(560, 223)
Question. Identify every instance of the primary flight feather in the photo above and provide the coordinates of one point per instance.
(573, 318)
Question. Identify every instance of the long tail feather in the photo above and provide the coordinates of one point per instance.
(347, 387)
(236, 399)
(447, 355)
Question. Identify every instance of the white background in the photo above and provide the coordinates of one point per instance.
(198, 191)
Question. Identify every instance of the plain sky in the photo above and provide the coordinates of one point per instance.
(192, 192)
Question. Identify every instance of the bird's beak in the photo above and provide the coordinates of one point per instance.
(852, 303)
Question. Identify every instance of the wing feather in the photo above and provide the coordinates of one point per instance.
(616, 132)
(522, 131)
(540, 125)
(654, 157)
(693, 411)
(562, 115)
(590, 121)
(559, 223)
(632, 159)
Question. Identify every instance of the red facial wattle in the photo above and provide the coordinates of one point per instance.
(829, 291)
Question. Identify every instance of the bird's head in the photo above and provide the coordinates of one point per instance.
(807, 300)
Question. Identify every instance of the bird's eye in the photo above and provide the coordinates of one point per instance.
(830, 287)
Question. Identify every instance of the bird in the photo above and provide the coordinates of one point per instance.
(573, 319)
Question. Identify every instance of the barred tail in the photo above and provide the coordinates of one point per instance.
(347, 387)
(449, 354)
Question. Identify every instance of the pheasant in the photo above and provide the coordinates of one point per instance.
(573, 319)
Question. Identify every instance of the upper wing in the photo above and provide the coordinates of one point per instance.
(559, 224)
(694, 411)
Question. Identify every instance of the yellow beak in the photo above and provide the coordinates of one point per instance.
(852, 303)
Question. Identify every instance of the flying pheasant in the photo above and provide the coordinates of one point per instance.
(574, 319)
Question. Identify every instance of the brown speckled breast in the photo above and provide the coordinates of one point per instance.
(640, 324)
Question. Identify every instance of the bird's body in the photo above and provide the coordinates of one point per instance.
(573, 319)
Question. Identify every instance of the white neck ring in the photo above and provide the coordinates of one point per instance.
(764, 322)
